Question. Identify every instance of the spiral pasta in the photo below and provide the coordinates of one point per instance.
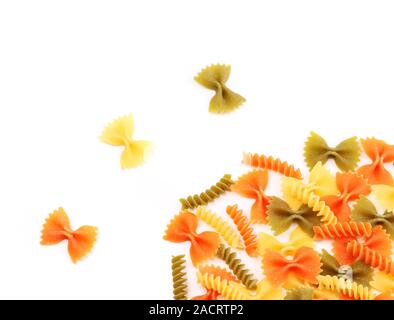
(297, 189)
(222, 227)
(238, 268)
(244, 228)
(208, 195)
(348, 288)
(371, 257)
(179, 277)
(228, 289)
(270, 163)
(342, 230)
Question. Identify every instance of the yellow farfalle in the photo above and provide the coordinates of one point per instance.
(385, 195)
(321, 182)
(297, 239)
(383, 282)
(119, 133)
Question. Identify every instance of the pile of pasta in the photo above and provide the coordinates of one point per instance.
(352, 209)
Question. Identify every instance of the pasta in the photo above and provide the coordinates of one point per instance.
(270, 163)
(351, 186)
(385, 195)
(305, 266)
(214, 77)
(179, 277)
(244, 228)
(228, 289)
(348, 288)
(298, 239)
(379, 241)
(281, 216)
(380, 153)
(297, 189)
(239, 269)
(252, 185)
(357, 271)
(208, 195)
(218, 272)
(183, 228)
(301, 293)
(57, 228)
(342, 230)
(383, 282)
(321, 182)
(370, 257)
(119, 133)
(365, 211)
(222, 227)
(346, 154)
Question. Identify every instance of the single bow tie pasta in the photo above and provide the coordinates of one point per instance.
(327, 236)
(57, 228)
(214, 77)
(120, 133)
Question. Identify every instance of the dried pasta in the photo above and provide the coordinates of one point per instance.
(380, 153)
(346, 154)
(345, 287)
(221, 227)
(271, 163)
(298, 239)
(214, 192)
(295, 188)
(183, 228)
(385, 195)
(305, 266)
(365, 211)
(214, 77)
(252, 185)
(244, 228)
(301, 293)
(342, 230)
(383, 282)
(351, 187)
(178, 265)
(57, 228)
(119, 133)
(281, 217)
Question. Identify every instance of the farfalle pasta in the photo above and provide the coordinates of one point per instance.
(57, 228)
(338, 209)
(183, 227)
(380, 153)
(120, 133)
(214, 77)
(365, 211)
(214, 192)
(252, 185)
(281, 217)
(346, 154)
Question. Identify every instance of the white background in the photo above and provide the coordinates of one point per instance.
(69, 67)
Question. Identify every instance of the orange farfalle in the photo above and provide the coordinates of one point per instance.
(183, 228)
(217, 272)
(57, 228)
(387, 295)
(378, 241)
(252, 185)
(305, 266)
(351, 186)
(380, 153)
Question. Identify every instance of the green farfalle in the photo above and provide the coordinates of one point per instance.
(361, 273)
(302, 293)
(365, 211)
(281, 216)
(346, 154)
(214, 78)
